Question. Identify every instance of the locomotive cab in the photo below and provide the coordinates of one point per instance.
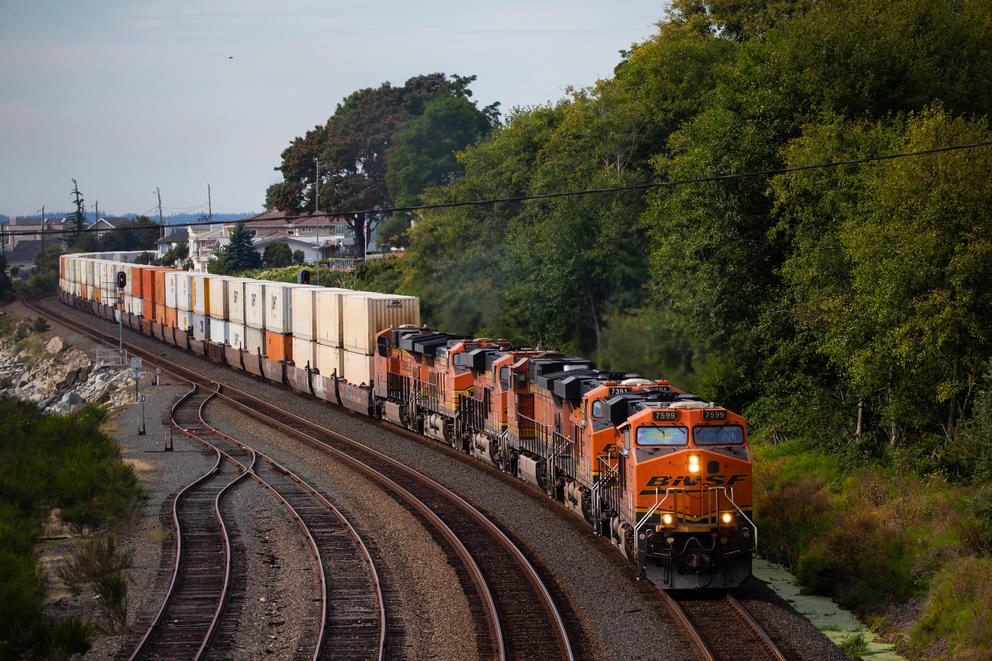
(684, 493)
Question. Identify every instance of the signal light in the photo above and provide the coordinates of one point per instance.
(303, 277)
(121, 279)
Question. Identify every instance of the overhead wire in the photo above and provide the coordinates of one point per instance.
(560, 194)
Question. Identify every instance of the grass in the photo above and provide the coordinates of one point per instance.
(879, 541)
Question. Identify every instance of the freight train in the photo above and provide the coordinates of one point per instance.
(662, 474)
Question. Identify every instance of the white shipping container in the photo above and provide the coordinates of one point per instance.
(184, 291)
(255, 304)
(358, 368)
(328, 360)
(170, 289)
(201, 293)
(201, 327)
(366, 313)
(328, 313)
(304, 312)
(219, 330)
(279, 307)
(138, 306)
(304, 353)
(218, 296)
(184, 319)
(236, 335)
(254, 340)
(236, 301)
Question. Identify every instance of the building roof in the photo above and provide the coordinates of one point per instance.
(311, 219)
(177, 236)
(24, 252)
(115, 221)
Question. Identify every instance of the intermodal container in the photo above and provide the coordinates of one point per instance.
(255, 303)
(184, 291)
(366, 313)
(201, 327)
(358, 368)
(219, 330)
(254, 340)
(304, 353)
(278, 346)
(328, 360)
(170, 317)
(328, 315)
(236, 301)
(171, 289)
(201, 293)
(305, 312)
(236, 335)
(218, 296)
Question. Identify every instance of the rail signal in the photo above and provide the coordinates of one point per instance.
(121, 279)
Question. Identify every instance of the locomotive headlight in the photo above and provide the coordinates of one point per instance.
(726, 518)
(667, 519)
(693, 463)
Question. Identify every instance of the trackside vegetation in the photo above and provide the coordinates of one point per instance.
(68, 463)
(845, 308)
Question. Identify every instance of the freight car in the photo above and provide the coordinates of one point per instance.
(662, 474)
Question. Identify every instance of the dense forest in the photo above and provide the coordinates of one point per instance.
(796, 225)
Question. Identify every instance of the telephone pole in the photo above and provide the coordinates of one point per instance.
(210, 210)
(316, 212)
(162, 224)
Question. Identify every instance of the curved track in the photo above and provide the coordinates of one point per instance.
(514, 614)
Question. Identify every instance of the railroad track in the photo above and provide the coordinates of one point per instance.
(512, 610)
(199, 588)
(709, 622)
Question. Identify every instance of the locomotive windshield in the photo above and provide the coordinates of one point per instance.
(718, 435)
(654, 436)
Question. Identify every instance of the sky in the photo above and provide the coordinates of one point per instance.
(130, 96)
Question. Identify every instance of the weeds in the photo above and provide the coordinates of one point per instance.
(855, 645)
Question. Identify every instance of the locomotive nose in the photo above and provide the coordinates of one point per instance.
(698, 561)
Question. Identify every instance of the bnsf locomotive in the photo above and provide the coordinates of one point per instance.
(659, 472)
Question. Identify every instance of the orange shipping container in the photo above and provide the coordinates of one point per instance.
(84, 291)
(148, 284)
(159, 312)
(62, 266)
(170, 317)
(278, 346)
(160, 285)
(135, 283)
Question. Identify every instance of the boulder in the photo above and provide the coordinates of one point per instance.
(55, 345)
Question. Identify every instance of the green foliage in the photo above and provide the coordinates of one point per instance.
(100, 564)
(78, 220)
(276, 255)
(142, 233)
(958, 608)
(423, 150)
(855, 645)
(144, 258)
(240, 254)
(298, 257)
(354, 147)
(176, 257)
(51, 461)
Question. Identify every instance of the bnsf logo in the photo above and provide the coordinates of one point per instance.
(668, 481)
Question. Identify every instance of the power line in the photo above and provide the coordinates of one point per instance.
(587, 191)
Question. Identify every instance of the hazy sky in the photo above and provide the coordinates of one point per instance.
(126, 96)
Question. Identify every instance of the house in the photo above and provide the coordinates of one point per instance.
(22, 257)
(204, 243)
(108, 224)
(29, 228)
(172, 240)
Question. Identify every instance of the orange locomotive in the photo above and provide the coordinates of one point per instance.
(664, 475)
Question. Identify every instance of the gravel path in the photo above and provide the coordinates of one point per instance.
(616, 617)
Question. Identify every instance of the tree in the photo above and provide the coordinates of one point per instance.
(277, 254)
(353, 148)
(298, 257)
(424, 148)
(240, 254)
(139, 234)
(79, 217)
(6, 288)
(177, 256)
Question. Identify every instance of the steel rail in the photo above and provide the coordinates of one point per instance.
(693, 632)
(531, 573)
(355, 536)
(758, 629)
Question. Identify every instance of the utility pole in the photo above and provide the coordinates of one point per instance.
(96, 211)
(210, 210)
(162, 224)
(42, 265)
(316, 212)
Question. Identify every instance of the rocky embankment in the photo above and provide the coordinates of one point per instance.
(61, 378)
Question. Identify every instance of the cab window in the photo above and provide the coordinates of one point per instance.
(718, 435)
(597, 408)
(660, 436)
